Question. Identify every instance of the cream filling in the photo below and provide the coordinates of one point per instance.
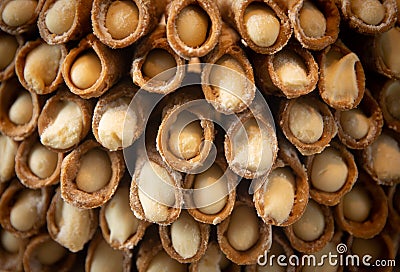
(385, 154)
(94, 172)
(243, 231)
(9, 242)
(156, 191)
(42, 161)
(341, 79)
(185, 136)
(192, 19)
(357, 204)
(8, 48)
(372, 247)
(389, 50)
(312, 20)
(21, 110)
(50, 252)
(105, 258)
(117, 125)
(312, 223)
(122, 19)
(163, 262)
(160, 63)
(277, 250)
(18, 12)
(279, 194)
(355, 123)
(305, 122)
(211, 190)
(185, 236)
(291, 70)
(212, 260)
(261, 24)
(392, 99)
(252, 148)
(86, 70)
(329, 171)
(329, 248)
(372, 12)
(66, 129)
(228, 80)
(41, 66)
(60, 16)
(24, 212)
(121, 221)
(8, 150)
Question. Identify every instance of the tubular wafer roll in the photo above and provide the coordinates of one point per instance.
(156, 67)
(309, 240)
(9, 46)
(186, 17)
(61, 21)
(70, 226)
(142, 16)
(369, 17)
(91, 68)
(263, 25)
(35, 165)
(19, 17)
(38, 66)
(284, 195)
(389, 101)
(90, 175)
(23, 210)
(8, 149)
(394, 208)
(20, 110)
(12, 249)
(315, 23)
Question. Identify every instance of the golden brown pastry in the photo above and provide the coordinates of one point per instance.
(12, 249)
(8, 150)
(389, 102)
(9, 46)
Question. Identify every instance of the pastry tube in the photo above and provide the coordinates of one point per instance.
(44, 254)
(91, 68)
(369, 17)
(90, 175)
(38, 66)
(20, 110)
(291, 72)
(19, 17)
(332, 173)
(185, 17)
(315, 23)
(394, 208)
(381, 159)
(263, 25)
(116, 123)
(9, 46)
(186, 239)
(308, 239)
(8, 151)
(61, 21)
(35, 165)
(24, 210)
(342, 80)
(283, 197)
(156, 67)
(227, 77)
(363, 211)
(65, 121)
(70, 226)
(251, 145)
(142, 16)
(12, 250)
(359, 127)
(389, 103)
(119, 226)
(307, 123)
(239, 246)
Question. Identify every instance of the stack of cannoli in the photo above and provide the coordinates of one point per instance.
(199, 135)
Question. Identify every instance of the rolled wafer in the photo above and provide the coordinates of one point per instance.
(12, 249)
(20, 110)
(8, 149)
(389, 103)
(90, 175)
(263, 25)
(61, 21)
(38, 66)
(394, 209)
(142, 17)
(185, 17)
(91, 68)
(156, 67)
(19, 17)
(9, 46)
